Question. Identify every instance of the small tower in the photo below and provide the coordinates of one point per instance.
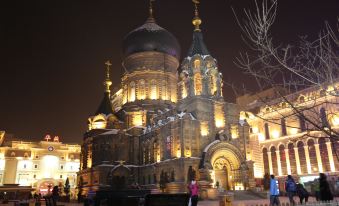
(105, 105)
(200, 85)
(200, 75)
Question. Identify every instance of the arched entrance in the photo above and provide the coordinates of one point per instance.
(226, 164)
(45, 186)
(119, 177)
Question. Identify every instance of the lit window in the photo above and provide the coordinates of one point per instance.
(153, 93)
(197, 84)
(131, 92)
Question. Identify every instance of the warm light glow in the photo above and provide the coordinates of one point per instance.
(178, 153)
(255, 130)
(158, 157)
(219, 116)
(131, 92)
(219, 123)
(188, 153)
(212, 174)
(257, 171)
(98, 125)
(334, 120)
(141, 90)
(137, 119)
(50, 166)
(238, 186)
(234, 131)
(330, 88)
(293, 131)
(204, 128)
(275, 134)
(197, 84)
(261, 137)
(2, 164)
(25, 165)
(154, 92)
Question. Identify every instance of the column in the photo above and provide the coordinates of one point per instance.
(270, 162)
(277, 152)
(288, 163)
(296, 153)
(308, 162)
(317, 151)
(330, 156)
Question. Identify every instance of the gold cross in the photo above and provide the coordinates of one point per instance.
(108, 63)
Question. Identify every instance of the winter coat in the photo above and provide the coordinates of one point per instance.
(274, 187)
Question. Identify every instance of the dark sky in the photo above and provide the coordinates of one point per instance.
(53, 52)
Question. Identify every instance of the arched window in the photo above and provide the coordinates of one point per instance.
(153, 92)
(141, 89)
(313, 156)
(291, 154)
(196, 64)
(131, 92)
(197, 84)
(302, 157)
(267, 131)
(265, 161)
(156, 151)
(283, 159)
(274, 161)
(324, 155)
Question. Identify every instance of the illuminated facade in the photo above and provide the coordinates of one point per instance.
(290, 135)
(163, 123)
(41, 165)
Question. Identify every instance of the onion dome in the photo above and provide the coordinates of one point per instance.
(151, 37)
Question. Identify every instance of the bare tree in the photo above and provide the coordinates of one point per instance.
(307, 73)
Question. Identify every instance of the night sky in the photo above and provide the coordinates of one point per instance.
(53, 52)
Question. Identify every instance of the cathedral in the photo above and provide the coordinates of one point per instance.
(168, 124)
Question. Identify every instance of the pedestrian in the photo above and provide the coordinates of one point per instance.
(274, 192)
(316, 189)
(302, 193)
(290, 188)
(55, 195)
(324, 187)
(194, 191)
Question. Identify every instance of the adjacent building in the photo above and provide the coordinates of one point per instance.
(41, 165)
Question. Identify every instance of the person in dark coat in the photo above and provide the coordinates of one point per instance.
(324, 187)
(302, 193)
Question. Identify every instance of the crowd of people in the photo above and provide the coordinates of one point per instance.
(292, 188)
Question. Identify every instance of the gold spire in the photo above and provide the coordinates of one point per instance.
(108, 82)
(196, 20)
(151, 10)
